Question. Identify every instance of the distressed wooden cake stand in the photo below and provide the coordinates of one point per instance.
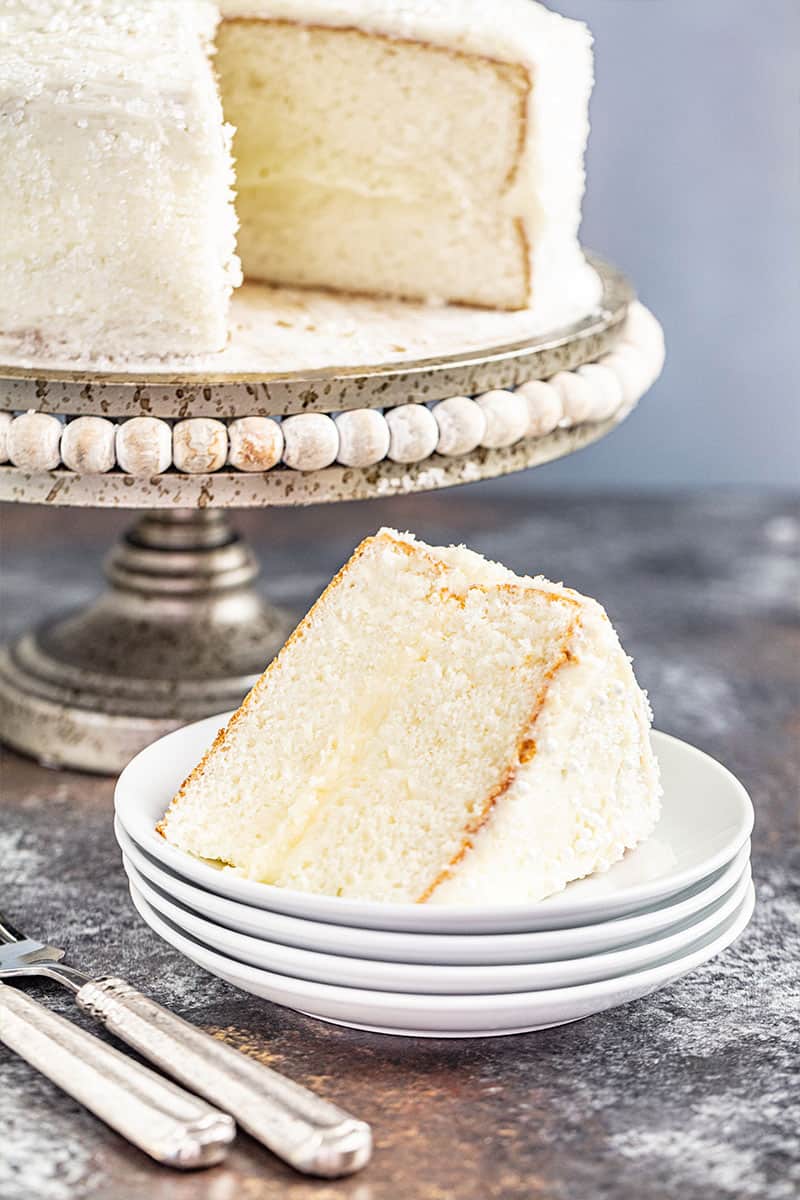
(181, 632)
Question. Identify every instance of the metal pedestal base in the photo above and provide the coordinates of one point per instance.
(180, 634)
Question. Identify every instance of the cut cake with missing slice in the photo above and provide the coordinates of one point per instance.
(437, 729)
(423, 149)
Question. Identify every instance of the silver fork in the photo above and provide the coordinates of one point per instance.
(309, 1133)
(174, 1127)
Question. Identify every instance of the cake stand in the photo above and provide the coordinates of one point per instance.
(181, 632)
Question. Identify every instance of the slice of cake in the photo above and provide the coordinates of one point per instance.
(117, 226)
(428, 149)
(436, 730)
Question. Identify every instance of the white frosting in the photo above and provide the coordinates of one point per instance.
(511, 30)
(115, 177)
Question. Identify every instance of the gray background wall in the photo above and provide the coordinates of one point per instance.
(694, 188)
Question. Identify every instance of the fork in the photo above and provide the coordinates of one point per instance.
(311, 1134)
(174, 1127)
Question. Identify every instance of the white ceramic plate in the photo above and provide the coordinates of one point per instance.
(456, 949)
(441, 980)
(449, 1016)
(707, 817)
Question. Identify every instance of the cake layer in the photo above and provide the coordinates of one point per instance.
(356, 163)
(116, 208)
(425, 150)
(436, 730)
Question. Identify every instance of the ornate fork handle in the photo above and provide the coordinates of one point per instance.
(312, 1134)
(163, 1120)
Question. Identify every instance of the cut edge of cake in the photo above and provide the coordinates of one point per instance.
(264, 258)
(533, 216)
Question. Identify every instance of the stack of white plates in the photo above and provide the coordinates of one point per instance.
(438, 971)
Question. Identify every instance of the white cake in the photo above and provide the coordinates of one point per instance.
(117, 227)
(422, 149)
(436, 730)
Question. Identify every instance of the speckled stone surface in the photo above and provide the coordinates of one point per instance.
(691, 1094)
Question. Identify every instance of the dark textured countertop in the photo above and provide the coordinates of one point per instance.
(692, 1093)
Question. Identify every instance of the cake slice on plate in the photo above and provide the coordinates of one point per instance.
(438, 730)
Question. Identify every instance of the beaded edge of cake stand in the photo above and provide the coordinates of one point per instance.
(406, 435)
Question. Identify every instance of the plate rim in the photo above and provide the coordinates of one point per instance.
(410, 916)
(516, 942)
(686, 932)
(416, 1002)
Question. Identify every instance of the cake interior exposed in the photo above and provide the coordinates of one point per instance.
(437, 729)
(428, 149)
(372, 164)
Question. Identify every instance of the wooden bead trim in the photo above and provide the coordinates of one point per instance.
(408, 433)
